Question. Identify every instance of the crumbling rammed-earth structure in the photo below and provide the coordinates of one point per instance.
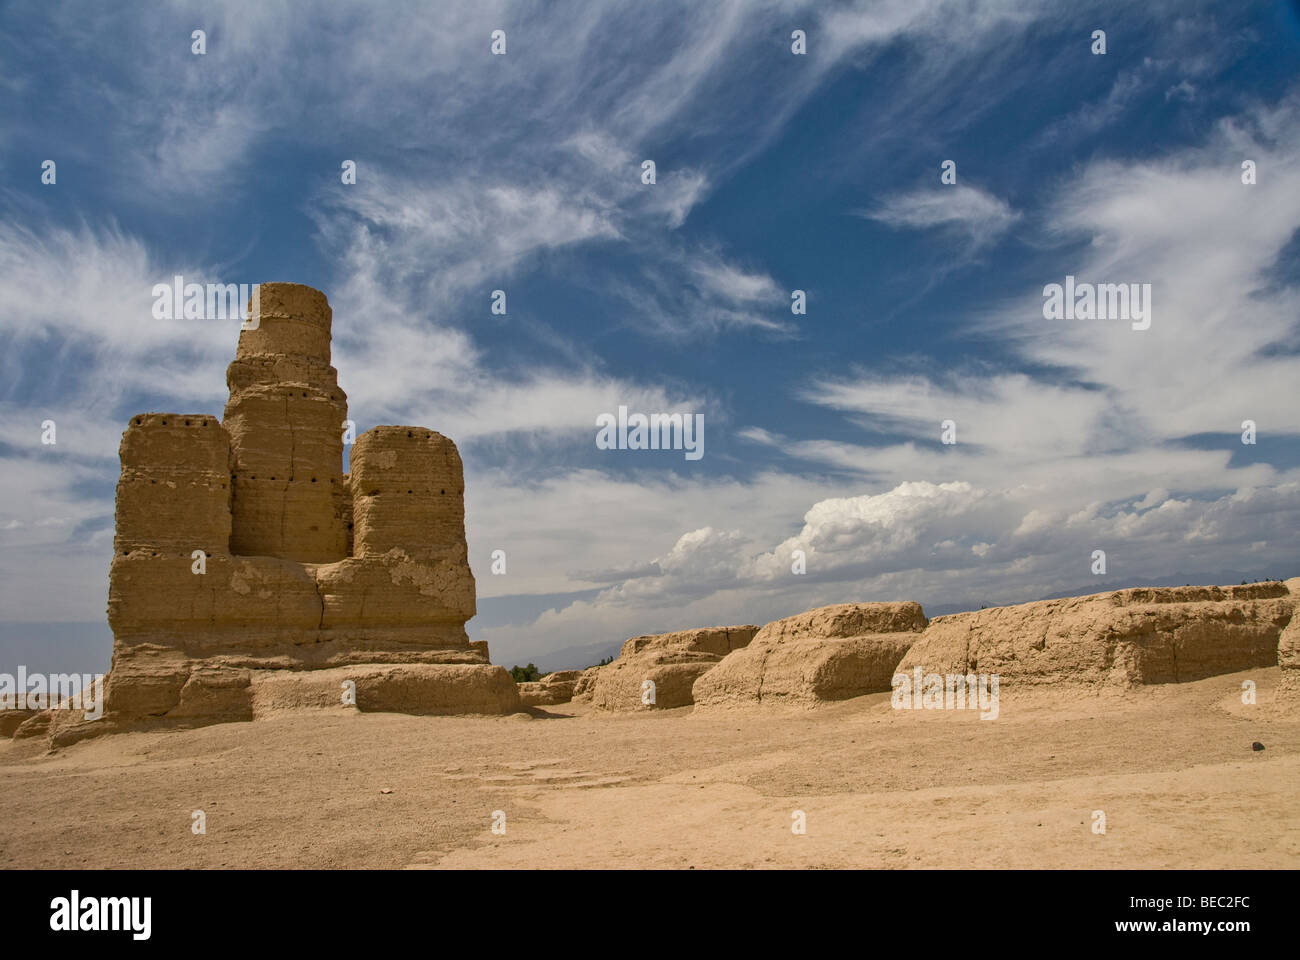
(308, 577)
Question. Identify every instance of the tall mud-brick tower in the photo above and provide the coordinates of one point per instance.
(250, 573)
(285, 421)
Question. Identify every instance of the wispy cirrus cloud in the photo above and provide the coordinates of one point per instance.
(967, 213)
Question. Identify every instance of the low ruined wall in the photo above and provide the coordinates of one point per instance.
(831, 653)
(672, 662)
(1140, 636)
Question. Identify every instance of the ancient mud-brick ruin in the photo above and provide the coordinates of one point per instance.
(308, 577)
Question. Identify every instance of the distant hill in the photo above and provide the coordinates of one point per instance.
(571, 658)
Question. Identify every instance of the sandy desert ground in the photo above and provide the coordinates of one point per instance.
(1171, 766)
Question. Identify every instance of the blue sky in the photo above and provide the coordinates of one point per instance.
(775, 172)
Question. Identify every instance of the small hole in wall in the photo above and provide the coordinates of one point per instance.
(313, 479)
(442, 491)
(373, 493)
(408, 491)
(138, 421)
(187, 423)
(304, 393)
(408, 433)
(164, 423)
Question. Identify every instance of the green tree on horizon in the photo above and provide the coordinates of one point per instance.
(526, 674)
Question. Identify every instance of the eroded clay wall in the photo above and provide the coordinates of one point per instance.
(408, 493)
(173, 495)
(285, 421)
